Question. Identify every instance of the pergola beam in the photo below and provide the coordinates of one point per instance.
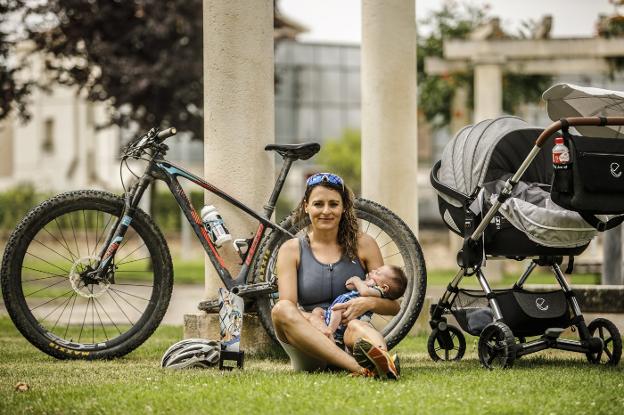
(534, 49)
(556, 66)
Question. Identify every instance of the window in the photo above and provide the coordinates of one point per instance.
(47, 144)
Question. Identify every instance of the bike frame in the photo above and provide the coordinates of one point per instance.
(160, 169)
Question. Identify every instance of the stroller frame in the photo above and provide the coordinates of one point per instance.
(497, 345)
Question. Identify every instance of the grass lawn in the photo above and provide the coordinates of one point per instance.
(545, 383)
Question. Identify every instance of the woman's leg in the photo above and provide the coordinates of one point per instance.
(357, 329)
(292, 327)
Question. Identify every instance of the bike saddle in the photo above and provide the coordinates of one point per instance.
(295, 151)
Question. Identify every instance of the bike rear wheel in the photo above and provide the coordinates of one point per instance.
(52, 300)
(398, 247)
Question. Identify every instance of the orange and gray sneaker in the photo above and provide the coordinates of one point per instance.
(366, 374)
(376, 359)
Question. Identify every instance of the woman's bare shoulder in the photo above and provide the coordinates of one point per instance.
(290, 247)
(365, 241)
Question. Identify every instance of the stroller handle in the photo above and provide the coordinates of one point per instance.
(573, 121)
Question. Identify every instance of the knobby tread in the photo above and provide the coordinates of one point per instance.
(29, 226)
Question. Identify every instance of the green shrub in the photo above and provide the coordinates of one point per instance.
(15, 203)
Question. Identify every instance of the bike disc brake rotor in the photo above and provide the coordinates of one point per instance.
(84, 285)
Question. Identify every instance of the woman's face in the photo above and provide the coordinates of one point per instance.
(324, 207)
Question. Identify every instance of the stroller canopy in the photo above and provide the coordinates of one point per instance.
(482, 156)
(487, 151)
(567, 100)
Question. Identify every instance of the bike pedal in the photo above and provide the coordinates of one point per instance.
(209, 306)
(229, 360)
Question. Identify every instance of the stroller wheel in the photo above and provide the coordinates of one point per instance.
(449, 344)
(496, 346)
(611, 342)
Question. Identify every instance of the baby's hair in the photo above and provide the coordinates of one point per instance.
(399, 283)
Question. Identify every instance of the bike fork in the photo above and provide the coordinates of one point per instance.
(119, 229)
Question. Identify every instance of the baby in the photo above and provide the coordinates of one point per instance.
(387, 281)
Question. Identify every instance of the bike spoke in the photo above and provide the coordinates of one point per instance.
(56, 252)
(44, 288)
(121, 309)
(121, 261)
(109, 317)
(100, 319)
(59, 306)
(63, 311)
(134, 260)
(131, 295)
(47, 262)
(102, 235)
(43, 278)
(136, 285)
(83, 320)
(65, 240)
(71, 222)
(84, 218)
(71, 312)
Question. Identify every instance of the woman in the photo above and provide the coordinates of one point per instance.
(312, 271)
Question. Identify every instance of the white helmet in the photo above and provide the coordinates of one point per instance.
(192, 353)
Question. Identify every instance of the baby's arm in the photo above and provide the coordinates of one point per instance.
(334, 320)
(355, 283)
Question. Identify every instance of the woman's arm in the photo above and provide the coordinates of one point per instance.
(370, 256)
(286, 270)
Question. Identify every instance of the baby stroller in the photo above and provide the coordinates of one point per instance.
(499, 191)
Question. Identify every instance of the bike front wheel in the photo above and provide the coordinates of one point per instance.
(398, 246)
(51, 298)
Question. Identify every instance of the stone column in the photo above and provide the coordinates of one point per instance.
(488, 89)
(488, 103)
(612, 257)
(238, 112)
(389, 139)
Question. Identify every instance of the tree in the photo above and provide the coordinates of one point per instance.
(343, 157)
(142, 56)
(13, 92)
(456, 21)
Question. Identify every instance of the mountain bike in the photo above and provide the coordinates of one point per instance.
(88, 274)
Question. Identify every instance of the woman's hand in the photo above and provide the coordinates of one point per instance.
(354, 308)
(319, 323)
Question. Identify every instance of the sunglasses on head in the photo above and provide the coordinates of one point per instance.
(328, 178)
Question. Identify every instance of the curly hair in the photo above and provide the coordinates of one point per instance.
(347, 228)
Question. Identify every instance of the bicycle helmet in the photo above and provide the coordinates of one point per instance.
(189, 353)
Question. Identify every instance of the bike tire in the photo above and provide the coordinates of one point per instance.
(380, 222)
(33, 242)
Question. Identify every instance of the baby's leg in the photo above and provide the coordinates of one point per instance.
(335, 319)
(319, 312)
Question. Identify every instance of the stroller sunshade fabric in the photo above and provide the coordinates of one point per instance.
(475, 156)
(567, 100)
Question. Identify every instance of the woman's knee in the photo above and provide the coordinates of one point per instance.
(283, 312)
(357, 326)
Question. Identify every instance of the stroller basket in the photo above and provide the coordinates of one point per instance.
(527, 313)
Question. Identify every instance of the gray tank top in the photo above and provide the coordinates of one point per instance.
(319, 284)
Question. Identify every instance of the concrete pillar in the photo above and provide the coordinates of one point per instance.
(488, 89)
(389, 139)
(238, 112)
(612, 257)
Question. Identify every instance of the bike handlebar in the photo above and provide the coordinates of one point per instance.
(165, 134)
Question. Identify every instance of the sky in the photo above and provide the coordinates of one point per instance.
(339, 21)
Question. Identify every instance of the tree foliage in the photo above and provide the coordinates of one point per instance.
(13, 92)
(343, 157)
(456, 21)
(142, 56)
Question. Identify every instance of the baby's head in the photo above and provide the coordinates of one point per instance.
(391, 279)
